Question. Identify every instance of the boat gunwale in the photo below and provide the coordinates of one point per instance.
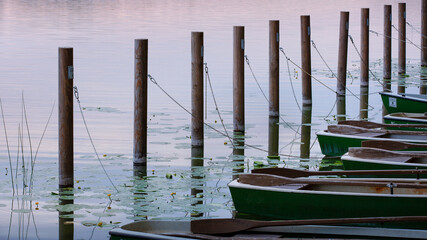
(329, 134)
(407, 119)
(237, 184)
(423, 100)
(347, 157)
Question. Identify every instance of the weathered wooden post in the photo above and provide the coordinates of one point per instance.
(65, 118)
(402, 48)
(197, 136)
(364, 64)
(140, 103)
(306, 60)
(274, 69)
(423, 87)
(239, 79)
(387, 49)
(342, 65)
(273, 133)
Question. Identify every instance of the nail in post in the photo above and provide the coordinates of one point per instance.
(239, 79)
(197, 89)
(342, 65)
(387, 49)
(140, 103)
(402, 47)
(306, 60)
(364, 63)
(274, 69)
(65, 118)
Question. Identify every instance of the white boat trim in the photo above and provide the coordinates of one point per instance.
(329, 134)
(236, 184)
(347, 157)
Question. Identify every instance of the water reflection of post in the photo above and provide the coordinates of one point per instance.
(423, 84)
(273, 136)
(238, 153)
(66, 225)
(305, 135)
(197, 154)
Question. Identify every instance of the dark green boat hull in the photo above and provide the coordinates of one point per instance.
(294, 205)
(403, 103)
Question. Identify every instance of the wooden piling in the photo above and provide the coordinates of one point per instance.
(273, 136)
(423, 87)
(364, 63)
(197, 89)
(65, 118)
(274, 69)
(306, 60)
(402, 47)
(342, 65)
(239, 79)
(387, 49)
(140, 103)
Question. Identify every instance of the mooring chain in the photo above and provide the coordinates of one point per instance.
(208, 79)
(361, 58)
(406, 38)
(208, 125)
(76, 95)
(290, 80)
(256, 80)
(416, 30)
(253, 74)
(333, 74)
(185, 109)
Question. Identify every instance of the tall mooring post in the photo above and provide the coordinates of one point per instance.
(342, 65)
(239, 79)
(140, 103)
(364, 64)
(65, 118)
(387, 49)
(274, 69)
(197, 132)
(402, 47)
(423, 87)
(306, 60)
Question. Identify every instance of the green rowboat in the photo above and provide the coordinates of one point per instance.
(411, 103)
(281, 198)
(407, 118)
(378, 159)
(338, 138)
(179, 230)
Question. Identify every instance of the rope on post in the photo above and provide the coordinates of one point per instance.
(407, 39)
(76, 95)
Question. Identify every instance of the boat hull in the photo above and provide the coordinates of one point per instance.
(406, 118)
(354, 163)
(411, 103)
(279, 203)
(333, 144)
(153, 230)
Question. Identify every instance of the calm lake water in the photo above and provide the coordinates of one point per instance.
(102, 33)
